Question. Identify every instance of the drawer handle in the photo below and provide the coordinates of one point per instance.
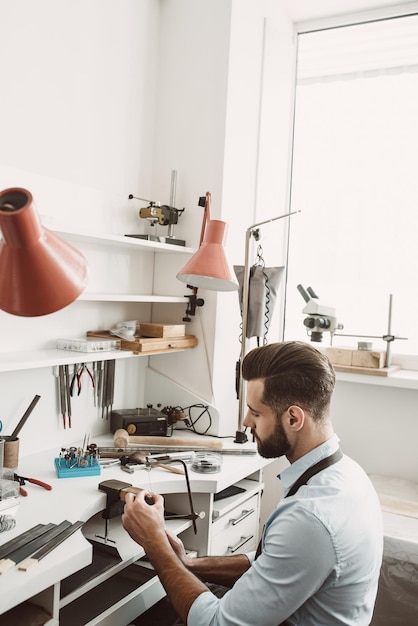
(240, 544)
(243, 515)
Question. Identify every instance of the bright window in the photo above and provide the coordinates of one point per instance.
(355, 179)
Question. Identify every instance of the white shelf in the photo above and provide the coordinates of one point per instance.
(120, 297)
(122, 241)
(15, 361)
(402, 379)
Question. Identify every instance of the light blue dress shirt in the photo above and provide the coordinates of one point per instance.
(322, 552)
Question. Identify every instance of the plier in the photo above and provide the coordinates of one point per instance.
(77, 376)
(23, 479)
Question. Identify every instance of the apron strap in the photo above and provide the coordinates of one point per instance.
(303, 479)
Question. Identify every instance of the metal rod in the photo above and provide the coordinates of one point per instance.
(112, 452)
(172, 200)
(189, 493)
(245, 307)
(387, 360)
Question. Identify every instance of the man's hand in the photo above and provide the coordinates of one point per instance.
(179, 549)
(145, 522)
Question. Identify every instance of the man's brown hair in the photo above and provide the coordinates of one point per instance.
(294, 372)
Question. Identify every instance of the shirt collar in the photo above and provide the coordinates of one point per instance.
(292, 473)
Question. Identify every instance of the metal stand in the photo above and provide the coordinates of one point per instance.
(240, 436)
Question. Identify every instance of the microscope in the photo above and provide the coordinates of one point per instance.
(319, 318)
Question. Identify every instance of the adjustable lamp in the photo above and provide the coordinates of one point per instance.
(208, 268)
(39, 272)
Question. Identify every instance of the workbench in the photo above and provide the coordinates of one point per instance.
(126, 587)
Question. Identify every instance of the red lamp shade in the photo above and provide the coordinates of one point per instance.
(39, 272)
(208, 268)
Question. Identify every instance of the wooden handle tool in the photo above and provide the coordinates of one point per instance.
(148, 463)
(122, 439)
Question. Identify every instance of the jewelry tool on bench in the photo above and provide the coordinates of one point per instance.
(20, 554)
(116, 491)
(23, 479)
(49, 547)
(22, 421)
(129, 463)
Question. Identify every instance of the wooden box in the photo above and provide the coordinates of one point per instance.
(339, 356)
(368, 358)
(148, 329)
(150, 344)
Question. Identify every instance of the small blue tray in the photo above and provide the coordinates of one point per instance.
(75, 472)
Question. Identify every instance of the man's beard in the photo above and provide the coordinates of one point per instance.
(274, 446)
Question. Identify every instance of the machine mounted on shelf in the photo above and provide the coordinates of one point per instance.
(163, 215)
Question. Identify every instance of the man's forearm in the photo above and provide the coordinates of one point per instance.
(181, 585)
(222, 570)
(184, 582)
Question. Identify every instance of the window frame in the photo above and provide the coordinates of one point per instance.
(408, 362)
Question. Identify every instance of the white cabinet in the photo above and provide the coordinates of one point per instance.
(127, 587)
(235, 522)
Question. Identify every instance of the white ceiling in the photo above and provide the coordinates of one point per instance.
(302, 10)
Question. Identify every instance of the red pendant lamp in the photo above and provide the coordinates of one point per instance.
(209, 268)
(39, 272)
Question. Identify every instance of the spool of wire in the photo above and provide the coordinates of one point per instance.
(207, 462)
(7, 522)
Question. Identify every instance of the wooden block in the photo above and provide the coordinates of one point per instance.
(371, 371)
(339, 356)
(151, 344)
(368, 358)
(148, 329)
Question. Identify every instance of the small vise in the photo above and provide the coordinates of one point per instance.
(116, 491)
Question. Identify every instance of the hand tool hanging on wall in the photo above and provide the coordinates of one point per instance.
(63, 396)
(108, 387)
(67, 393)
(68, 386)
(79, 370)
(99, 381)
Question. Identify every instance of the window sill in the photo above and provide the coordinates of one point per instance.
(403, 379)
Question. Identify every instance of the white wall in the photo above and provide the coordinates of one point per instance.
(227, 130)
(378, 427)
(104, 99)
(76, 125)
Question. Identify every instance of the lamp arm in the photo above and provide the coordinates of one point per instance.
(245, 307)
(206, 216)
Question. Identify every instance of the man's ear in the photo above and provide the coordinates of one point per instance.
(295, 417)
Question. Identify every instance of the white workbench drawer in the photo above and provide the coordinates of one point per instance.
(236, 531)
(118, 600)
(236, 539)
